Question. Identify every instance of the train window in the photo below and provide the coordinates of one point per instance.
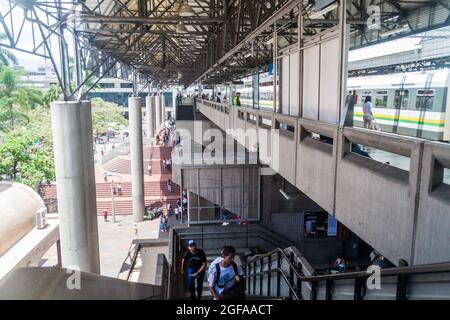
(381, 99)
(425, 102)
(401, 99)
(425, 99)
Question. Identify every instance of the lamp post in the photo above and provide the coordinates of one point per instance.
(113, 209)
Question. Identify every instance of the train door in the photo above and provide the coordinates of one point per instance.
(401, 97)
(424, 103)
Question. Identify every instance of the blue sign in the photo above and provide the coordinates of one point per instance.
(332, 226)
(270, 69)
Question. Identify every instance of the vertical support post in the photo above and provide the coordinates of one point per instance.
(58, 253)
(278, 273)
(72, 143)
(136, 152)
(269, 276)
(301, 55)
(163, 108)
(343, 57)
(89, 189)
(158, 111)
(275, 68)
(63, 56)
(150, 117)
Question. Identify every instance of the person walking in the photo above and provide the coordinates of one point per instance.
(119, 189)
(105, 214)
(223, 215)
(368, 112)
(169, 186)
(225, 277)
(237, 99)
(193, 266)
(149, 168)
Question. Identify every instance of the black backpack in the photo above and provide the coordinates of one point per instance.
(236, 292)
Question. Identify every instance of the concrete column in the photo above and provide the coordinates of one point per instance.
(155, 120)
(174, 103)
(150, 117)
(136, 154)
(158, 112)
(71, 154)
(89, 182)
(163, 108)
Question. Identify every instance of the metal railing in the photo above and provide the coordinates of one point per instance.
(295, 279)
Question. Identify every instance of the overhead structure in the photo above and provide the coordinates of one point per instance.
(178, 42)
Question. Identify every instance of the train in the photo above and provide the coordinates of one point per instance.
(265, 95)
(413, 103)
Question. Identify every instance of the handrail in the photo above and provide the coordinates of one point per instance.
(249, 229)
(279, 270)
(397, 271)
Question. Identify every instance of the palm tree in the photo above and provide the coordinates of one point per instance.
(12, 94)
(6, 56)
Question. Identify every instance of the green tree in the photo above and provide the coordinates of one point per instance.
(107, 115)
(6, 56)
(27, 158)
(15, 99)
(52, 94)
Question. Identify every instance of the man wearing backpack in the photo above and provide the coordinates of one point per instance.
(225, 277)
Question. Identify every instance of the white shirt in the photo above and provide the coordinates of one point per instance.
(227, 276)
(367, 108)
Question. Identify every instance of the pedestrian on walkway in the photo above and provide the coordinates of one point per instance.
(119, 189)
(193, 265)
(169, 186)
(149, 168)
(105, 214)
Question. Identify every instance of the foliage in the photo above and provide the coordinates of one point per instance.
(52, 94)
(107, 115)
(15, 99)
(27, 158)
(6, 56)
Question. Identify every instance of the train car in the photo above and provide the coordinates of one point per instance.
(413, 104)
(265, 95)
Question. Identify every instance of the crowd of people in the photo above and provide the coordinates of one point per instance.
(165, 135)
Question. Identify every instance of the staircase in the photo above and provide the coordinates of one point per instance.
(155, 192)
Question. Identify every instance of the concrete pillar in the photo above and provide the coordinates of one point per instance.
(158, 112)
(78, 249)
(174, 103)
(136, 154)
(163, 108)
(150, 116)
(89, 182)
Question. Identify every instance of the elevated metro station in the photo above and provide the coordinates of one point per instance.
(272, 150)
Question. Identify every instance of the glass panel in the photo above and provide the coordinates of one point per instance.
(193, 215)
(232, 197)
(208, 214)
(446, 176)
(425, 102)
(401, 99)
(193, 200)
(231, 177)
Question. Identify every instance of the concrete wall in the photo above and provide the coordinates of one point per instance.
(403, 214)
(432, 243)
(18, 204)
